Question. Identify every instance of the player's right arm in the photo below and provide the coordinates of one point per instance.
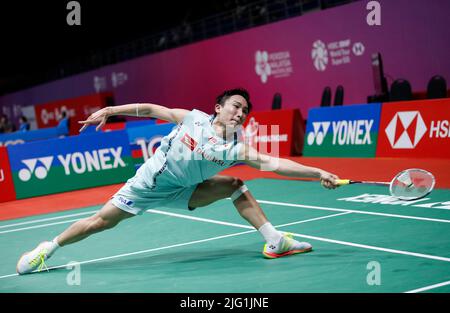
(136, 109)
(285, 167)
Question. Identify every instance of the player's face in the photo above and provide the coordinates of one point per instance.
(234, 111)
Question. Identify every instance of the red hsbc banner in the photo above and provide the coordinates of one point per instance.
(7, 192)
(415, 129)
(114, 126)
(49, 114)
(276, 132)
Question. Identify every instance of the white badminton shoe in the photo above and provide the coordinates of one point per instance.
(286, 246)
(35, 259)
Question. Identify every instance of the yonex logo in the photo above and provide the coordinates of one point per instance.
(319, 55)
(405, 130)
(39, 167)
(262, 66)
(125, 201)
(77, 162)
(319, 132)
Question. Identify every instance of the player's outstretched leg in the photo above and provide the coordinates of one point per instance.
(278, 244)
(108, 217)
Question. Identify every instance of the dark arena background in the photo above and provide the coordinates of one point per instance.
(358, 88)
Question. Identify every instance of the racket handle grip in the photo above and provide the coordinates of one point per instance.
(341, 182)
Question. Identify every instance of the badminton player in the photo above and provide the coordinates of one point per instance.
(183, 174)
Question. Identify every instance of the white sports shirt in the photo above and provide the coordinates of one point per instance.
(190, 154)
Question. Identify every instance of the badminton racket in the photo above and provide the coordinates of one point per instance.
(410, 184)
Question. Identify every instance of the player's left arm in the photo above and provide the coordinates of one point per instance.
(285, 167)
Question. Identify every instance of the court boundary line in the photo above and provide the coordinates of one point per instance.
(38, 226)
(445, 283)
(259, 201)
(254, 230)
(141, 251)
(201, 219)
(175, 245)
(47, 219)
(352, 211)
(347, 243)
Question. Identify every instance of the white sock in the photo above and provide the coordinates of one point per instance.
(270, 234)
(53, 246)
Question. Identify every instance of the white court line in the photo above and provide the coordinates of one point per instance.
(345, 243)
(353, 211)
(39, 226)
(144, 251)
(238, 225)
(47, 219)
(250, 231)
(186, 243)
(429, 287)
(267, 202)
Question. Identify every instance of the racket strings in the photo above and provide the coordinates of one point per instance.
(412, 184)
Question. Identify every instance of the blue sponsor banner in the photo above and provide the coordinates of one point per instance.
(32, 135)
(129, 124)
(343, 131)
(68, 145)
(71, 163)
(140, 123)
(145, 140)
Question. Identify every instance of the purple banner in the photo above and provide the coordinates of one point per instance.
(296, 57)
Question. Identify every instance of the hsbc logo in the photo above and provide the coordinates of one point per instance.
(405, 130)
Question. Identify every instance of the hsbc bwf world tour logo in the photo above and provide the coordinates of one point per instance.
(334, 53)
(319, 55)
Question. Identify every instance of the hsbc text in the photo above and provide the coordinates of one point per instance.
(440, 129)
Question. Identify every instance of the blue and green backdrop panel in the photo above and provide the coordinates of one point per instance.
(71, 163)
(346, 131)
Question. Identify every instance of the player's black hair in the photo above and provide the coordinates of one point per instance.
(232, 92)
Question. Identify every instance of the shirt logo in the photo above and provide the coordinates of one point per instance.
(189, 141)
(212, 140)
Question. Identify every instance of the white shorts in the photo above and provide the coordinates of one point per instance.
(136, 197)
